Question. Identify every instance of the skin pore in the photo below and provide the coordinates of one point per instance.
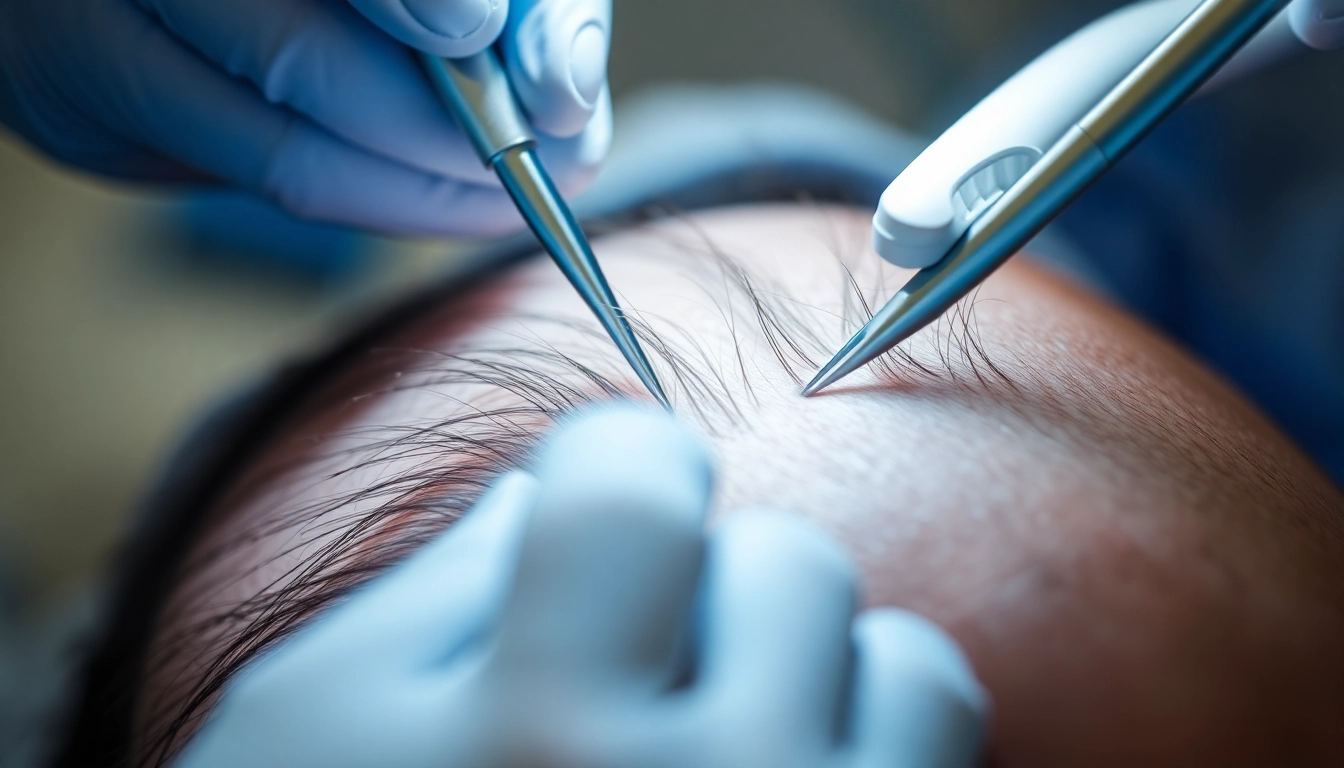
(1142, 569)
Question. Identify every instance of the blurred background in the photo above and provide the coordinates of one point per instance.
(122, 315)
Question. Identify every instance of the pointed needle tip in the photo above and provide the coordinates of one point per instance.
(661, 397)
(646, 376)
(819, 382)
(838, 367)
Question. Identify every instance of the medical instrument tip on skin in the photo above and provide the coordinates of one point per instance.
(998, 227)
(476, 90)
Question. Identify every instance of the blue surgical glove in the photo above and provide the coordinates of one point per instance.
(582, 617)
(316, 104)
(1319, 23)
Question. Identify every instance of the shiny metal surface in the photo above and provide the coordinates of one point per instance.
(1180, 64)
(1188, 57)
(477, 91)
(1028, 206)
(554, 225)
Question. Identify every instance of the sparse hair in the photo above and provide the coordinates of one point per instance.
(455, 459)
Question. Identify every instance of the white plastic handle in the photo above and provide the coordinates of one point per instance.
(931, 204)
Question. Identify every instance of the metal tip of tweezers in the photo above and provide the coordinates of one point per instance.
(555, 226)
(920, 302)
(865, 346)
(839, 367)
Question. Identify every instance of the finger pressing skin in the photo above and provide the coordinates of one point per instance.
(916, 700)
(428, 608)
(780, 597)
(608, 568)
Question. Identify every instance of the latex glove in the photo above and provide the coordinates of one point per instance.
(582, 618)
(1319, 23)
(311, 103)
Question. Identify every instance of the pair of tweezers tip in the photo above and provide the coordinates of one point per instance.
(560, 234)
(476, 90)
(840, 366)
(1210, 35)
(897, 320)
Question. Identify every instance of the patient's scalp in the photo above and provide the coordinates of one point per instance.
(1143, 570)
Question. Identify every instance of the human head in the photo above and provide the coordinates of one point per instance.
(1142, 569)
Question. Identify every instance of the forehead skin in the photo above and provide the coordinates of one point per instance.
(1141, 568)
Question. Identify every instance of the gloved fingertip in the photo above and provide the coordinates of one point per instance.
(1318, 23)
(762, 529)
(512, 490)
(629, 449)
(917, 700)
(574, 162)
(491, 526)
(588, 63)
(457, 19)
(453, 28)
(494, 523)
(929, 651)
(557, 56)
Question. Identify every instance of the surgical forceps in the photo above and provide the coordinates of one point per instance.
(476, 90)
(1010, 197)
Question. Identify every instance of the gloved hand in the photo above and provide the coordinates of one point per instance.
(558, 625)
(309, 102)
(1319, 23)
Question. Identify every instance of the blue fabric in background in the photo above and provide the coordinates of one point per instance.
(1225, 228)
